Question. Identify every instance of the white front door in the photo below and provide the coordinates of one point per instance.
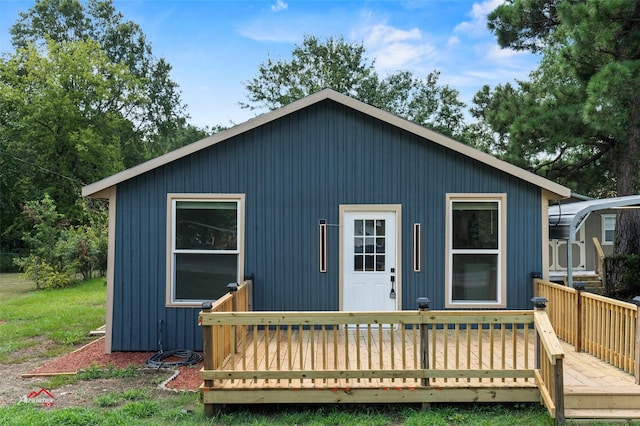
(370, 274)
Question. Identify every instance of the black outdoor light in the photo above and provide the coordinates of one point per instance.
(232, 287)
(207, 305)
(423, 302)
(636, 300)
(539, 302)
(580, 285)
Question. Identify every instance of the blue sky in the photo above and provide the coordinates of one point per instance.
(214, 46)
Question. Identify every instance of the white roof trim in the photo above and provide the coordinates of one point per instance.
(559, 190)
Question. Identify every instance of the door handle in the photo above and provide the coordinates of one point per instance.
(392, 293)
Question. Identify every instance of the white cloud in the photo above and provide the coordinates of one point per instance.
(278, 6)
(394, 48)
(478, 23)
(453, 40)
(495, 53)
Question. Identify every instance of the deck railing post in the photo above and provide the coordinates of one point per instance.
(535, 276)
(579, 286)
(539, 304)
(423, 306)
(233, 289)
(207, 358)
(636, 371)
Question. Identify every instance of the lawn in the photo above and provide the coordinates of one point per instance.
(46, 323)
(43, 323)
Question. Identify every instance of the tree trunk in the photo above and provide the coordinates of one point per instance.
(628, 221)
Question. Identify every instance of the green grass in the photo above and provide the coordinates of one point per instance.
(60, 320)
(46, 323)
(118, 411)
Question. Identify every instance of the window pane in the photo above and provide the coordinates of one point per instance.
(358, 245)
(369, 227)
(475, 277)
(609, 227)
(358, 227)
(206, 225)
(369, 260)
(370, 245)
(204, 276)
(380, 266)
(358, 263)
(475, 225)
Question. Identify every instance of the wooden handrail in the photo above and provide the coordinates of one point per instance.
(603, 327)
(601, 257)
(548, 338)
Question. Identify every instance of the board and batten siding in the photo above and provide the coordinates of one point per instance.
(295, 171)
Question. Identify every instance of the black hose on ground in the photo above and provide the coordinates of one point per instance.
(157, 360)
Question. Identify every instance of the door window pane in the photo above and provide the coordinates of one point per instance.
(370, 240)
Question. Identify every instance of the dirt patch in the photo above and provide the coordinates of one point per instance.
(18, 380)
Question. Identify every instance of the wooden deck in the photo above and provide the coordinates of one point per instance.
(342, 357)
(413, 356)
(593, 388)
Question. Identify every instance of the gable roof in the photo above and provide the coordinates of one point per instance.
(96, 187)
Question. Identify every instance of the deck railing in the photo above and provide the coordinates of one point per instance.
(384, 350)
(238, 299)
(603, 327)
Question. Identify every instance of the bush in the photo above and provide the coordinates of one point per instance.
(59, 251)
(44, 275)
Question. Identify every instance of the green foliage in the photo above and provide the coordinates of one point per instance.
(8, 262)
(109, 400)
(343, 67)
(140, 409)
(60, 251)
(577, 120)
(109, 372)
(81, 97)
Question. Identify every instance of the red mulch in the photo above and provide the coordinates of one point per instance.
(93, 354)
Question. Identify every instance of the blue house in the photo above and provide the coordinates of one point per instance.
(330, 204)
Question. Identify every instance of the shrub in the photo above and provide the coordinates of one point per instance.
(59, 251)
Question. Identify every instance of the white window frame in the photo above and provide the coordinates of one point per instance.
(604, 218)
(501, 292)
(171, 300)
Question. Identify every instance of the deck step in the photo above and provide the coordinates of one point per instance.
(619, 398)
(607, 415)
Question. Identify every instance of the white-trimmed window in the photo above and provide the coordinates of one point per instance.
(608, 228)
(205, 242)
(476, 235)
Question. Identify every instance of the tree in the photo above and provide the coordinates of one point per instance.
(122, 42)
(81, 97)
(343, 67)
(66, 115)
(580, 112)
